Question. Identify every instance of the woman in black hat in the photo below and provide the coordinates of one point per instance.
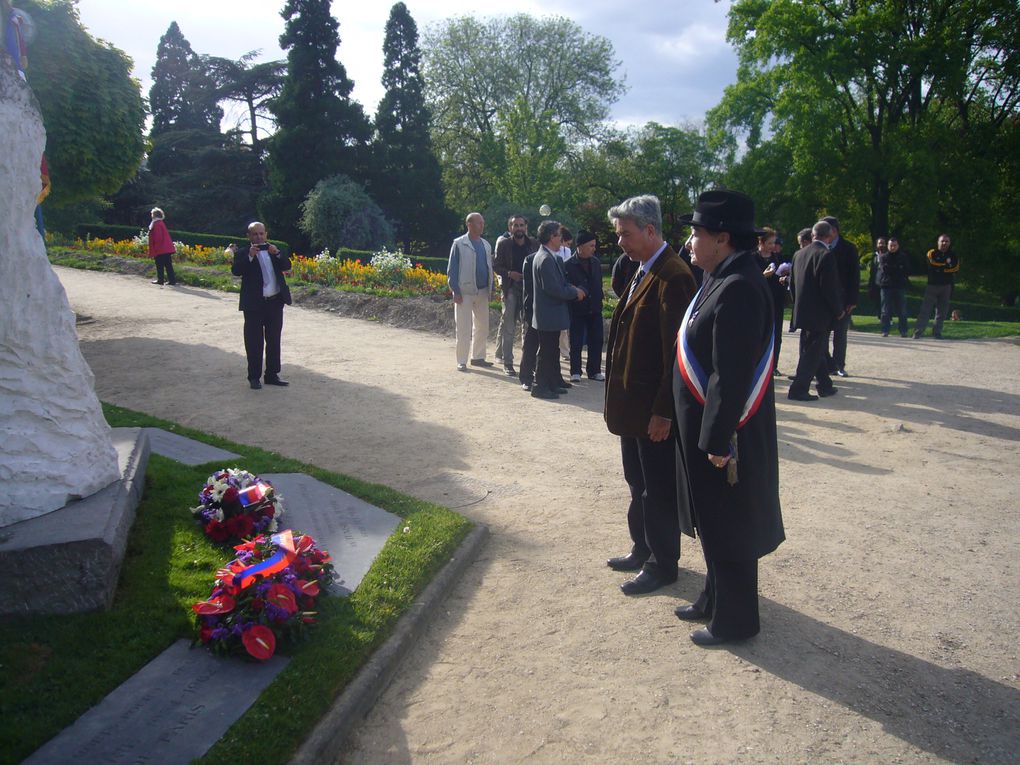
(728, 466)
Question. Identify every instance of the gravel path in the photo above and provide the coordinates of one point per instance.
(889, 616)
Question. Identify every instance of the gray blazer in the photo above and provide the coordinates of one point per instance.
(552, 292)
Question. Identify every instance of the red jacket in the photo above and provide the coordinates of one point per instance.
(160, 242)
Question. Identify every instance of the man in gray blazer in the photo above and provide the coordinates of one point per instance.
(550, 314)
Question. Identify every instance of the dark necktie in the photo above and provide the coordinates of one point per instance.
(637, 280)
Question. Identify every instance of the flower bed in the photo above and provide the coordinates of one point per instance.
(388, 272)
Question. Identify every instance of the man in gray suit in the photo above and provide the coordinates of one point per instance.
(550, 314)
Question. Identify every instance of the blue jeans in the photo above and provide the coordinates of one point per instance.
(894, 303)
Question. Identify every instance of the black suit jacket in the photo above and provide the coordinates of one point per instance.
(590, 280)
(848, 268)
(728, 332)
(814, 285)
(251, 278)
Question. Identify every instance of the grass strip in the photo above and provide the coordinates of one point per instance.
(54, 668)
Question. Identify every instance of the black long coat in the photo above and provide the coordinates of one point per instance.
(728, 330)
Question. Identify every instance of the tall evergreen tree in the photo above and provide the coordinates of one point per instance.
(407, 180)
(320, 130)
(183, 94)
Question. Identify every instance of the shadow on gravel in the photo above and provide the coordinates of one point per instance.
(953, 713)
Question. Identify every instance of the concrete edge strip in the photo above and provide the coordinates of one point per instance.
(327, 739)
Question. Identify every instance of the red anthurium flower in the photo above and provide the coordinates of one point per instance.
(224, 604)
(281, 597)
(303, 543)
(308, 588)
(259, 641)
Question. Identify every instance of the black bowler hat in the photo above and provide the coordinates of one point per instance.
(721, 210)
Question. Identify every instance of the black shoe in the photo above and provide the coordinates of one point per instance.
(644, 583)
(628, 562)
(802, 397)
(255, 384)
(510, 371)
(565, 384)
(690, 614)
(559, 391)
(157, 281)
(543, 393)
(842, 373)
(275, 380)
(827, 392)
(791, 377)
(481, 363)
(706, 639)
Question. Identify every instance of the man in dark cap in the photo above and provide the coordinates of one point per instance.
(585, 271)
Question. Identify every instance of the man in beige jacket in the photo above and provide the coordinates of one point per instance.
(469, 273)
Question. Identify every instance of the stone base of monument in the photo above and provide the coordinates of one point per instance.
(68, 561)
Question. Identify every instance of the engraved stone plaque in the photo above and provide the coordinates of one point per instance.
(350, 529)
(185, 450)
(172, 711)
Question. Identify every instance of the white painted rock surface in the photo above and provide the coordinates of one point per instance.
(54, 442)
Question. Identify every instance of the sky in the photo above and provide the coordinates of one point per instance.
(674, 56)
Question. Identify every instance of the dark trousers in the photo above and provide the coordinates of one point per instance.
(547, 373)
(812, 363)
(730, 597)
(165, 262)
(586, 330)
(262, 329)
(894, 303)
(649, 468)
(778, 331)
(529, 354)
(839, 331)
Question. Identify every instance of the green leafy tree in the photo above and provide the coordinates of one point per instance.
(92, 109)
(512, 99)
(252, 84)
(183, 94)
(338, 212)
(891, 114)
(321, 131)
(407, 179)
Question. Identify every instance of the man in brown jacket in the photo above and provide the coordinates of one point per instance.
(639, 380)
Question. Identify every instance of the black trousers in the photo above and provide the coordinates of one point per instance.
(730, 597)
(547, 374)
(586, 330)
(529, 354)
(812, 363)
(262, 329)
(839, 332)
(165, 262)
(649, 468)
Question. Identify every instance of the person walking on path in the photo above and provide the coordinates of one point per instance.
(161, 249)
(264, 292)
(728, 465)
(469, 273)
(639, 380)
(943, 265)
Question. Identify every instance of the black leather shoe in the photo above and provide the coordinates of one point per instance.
(628, 562)
(643, 583)
(559, 391)
(543, 393)
(157, 281)
(706, 639)
(480, 363)
(827, 392)
(510, 371)
(842, 373)
(802, 396)
(255, 384)
(690, 614)
(276, 381)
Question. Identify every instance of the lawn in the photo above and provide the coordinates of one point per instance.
(52, 669)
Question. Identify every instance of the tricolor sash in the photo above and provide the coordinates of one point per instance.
(697, 381)
(283, 557)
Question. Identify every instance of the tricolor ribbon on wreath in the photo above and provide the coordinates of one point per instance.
(241, 576)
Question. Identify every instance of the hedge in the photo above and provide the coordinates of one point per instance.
(120, 233)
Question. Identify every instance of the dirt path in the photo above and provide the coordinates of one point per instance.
(889, 616)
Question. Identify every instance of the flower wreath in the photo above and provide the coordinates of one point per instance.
(266, 594)
(236, 505)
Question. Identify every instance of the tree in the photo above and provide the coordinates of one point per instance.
(339, 213)
(320, 130)
(883, 107)
(253, 85)
(183, 94)
(512, 98)
(91, 107)
(407, 178)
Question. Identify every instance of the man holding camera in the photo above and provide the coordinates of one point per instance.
(264, 292)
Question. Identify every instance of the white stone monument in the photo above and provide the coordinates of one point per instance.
(55, 445)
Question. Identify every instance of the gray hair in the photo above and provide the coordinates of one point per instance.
(547, 229)
(253, 224)
(821, 230)
(643, 210)
(805, 233)
(156, 213)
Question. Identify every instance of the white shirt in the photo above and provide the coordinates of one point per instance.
(269, 285)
